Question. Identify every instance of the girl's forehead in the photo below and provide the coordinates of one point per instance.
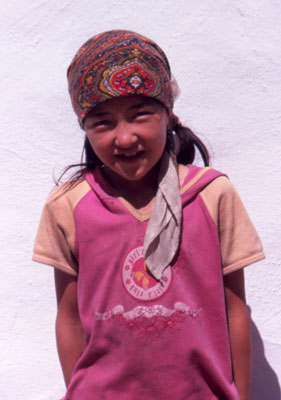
(124, 103)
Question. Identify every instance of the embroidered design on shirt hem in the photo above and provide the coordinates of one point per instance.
(147, 312)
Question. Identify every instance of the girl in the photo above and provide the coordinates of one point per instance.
(148, 249)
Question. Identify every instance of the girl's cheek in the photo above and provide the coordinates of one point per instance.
(100, 141)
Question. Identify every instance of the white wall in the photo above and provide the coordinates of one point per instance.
(226, 57)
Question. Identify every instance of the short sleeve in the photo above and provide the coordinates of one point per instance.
(54, 243)
(239, 242)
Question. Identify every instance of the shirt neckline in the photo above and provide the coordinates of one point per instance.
(104, 190)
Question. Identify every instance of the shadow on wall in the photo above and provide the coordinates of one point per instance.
(265, 385)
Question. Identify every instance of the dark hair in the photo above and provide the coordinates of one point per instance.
(188, 142)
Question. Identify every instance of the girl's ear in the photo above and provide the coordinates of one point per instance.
(173, 121)
(170, 122)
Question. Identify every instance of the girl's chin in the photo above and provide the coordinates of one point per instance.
(132, 172)
(130, 175)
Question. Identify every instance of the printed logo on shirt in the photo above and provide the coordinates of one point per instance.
(136, 280)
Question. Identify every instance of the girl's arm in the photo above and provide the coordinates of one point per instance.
(239, 331)
(69, 332)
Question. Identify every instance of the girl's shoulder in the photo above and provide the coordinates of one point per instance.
(240, 244)
(197, 179)
(68, 193)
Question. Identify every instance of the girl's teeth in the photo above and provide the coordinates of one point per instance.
(130, 155)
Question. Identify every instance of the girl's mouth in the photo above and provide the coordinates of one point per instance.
(130, 157)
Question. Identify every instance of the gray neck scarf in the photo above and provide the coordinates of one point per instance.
(162, 235)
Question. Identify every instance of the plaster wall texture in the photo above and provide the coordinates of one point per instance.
(226, 57)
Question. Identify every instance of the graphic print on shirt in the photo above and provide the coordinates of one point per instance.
(137, 281)
(151, 322)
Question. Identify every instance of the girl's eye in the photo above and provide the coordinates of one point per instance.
(102, 123)
(142, 114)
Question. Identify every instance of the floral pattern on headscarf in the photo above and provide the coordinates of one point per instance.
(118, 63)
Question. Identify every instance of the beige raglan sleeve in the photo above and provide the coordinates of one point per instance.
(239, 241)
(54, 243)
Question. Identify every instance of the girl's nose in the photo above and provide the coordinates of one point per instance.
(125, 135)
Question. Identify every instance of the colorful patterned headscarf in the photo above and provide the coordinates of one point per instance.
(118, 63)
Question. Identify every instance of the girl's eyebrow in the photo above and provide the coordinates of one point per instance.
(104, 113)
(99, 114)
(140, 105)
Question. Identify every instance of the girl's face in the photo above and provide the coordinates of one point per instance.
(128, 134)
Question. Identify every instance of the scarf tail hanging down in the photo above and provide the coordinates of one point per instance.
(162, 235)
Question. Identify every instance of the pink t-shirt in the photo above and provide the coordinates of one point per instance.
(145, 340)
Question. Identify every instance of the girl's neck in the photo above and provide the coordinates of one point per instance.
(138, 193)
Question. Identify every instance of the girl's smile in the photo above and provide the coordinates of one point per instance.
(128, 134)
